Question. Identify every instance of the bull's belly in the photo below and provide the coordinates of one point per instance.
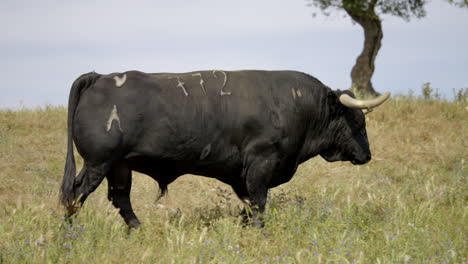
(169, 170)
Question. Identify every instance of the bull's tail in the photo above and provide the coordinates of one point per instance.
(67, 191)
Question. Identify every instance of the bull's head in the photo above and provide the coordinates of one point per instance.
(347, 136)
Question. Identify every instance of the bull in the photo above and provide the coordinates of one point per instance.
(248, 129)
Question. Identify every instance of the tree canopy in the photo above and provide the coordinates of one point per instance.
(405, 9)
(367, 14)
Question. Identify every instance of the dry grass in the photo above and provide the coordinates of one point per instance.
(406, 206)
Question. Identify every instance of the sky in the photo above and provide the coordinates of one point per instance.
(45, 45)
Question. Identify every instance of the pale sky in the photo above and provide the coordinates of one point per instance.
(45, 45)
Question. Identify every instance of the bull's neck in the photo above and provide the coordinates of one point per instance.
(320, 130)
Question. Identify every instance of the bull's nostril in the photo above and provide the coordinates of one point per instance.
(368, 158)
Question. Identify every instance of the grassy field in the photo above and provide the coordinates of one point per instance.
(408, 205)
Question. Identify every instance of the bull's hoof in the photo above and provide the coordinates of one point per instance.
(248, 220)
(68, 218)
(133, 224)
(258, 222)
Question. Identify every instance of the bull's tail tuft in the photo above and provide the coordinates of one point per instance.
(67, 190)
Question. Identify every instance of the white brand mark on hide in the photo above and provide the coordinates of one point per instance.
(120, 81)
(299, 93)
(113, 116)
(180, 84)
(296, 93)
(201, 81)
(221, 92)
(205, 152)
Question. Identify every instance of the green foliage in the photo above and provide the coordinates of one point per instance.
(427, 91)
(371, 8)
(461, 95)
(399, 8)
(459, 3)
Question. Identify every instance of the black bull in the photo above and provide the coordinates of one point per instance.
(248, 129)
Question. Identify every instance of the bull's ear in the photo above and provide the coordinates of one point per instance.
(336, 108)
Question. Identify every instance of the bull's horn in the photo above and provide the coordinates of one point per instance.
(350, 102)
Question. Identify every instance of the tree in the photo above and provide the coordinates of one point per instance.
(367, 13)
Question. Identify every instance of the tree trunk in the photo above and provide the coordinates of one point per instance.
(362, 71)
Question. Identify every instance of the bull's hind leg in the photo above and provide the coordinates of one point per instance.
(119, 186)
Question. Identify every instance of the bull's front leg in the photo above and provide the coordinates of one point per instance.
(254, 207)
(258, 175)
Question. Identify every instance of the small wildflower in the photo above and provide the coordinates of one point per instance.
(407, 258)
